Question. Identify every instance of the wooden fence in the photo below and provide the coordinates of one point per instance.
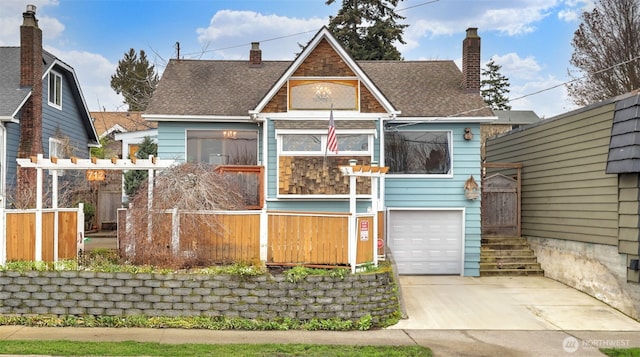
(291, 238)
(501, 200)
(19, 235)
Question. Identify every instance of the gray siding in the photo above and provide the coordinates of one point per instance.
(566, 193)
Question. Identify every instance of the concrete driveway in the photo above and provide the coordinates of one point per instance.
(504, 303)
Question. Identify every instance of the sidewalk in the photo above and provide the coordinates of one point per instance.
(442, 342)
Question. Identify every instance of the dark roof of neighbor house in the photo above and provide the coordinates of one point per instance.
(105, 122)
(232, 88)
(516, 117)
(10, 91)
(624, 146)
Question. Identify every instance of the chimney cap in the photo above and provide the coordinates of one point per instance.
(255, 45)
(31, 9)
(472, 32)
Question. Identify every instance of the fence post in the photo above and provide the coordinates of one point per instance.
(80, 229)
(264, 235)
(38, 238)
(175, 231)
(352, 237)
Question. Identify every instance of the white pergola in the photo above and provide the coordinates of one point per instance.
(53, 163)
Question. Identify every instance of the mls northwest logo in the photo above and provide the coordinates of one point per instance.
(570, 344)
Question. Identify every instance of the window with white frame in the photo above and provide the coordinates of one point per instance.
(418, 152)
(223, 147)
(55, 90)
(299, 144)
(56, 149)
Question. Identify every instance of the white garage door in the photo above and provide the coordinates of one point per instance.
(426, 242)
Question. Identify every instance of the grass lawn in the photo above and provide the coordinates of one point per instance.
(621, 352)
(131, 348)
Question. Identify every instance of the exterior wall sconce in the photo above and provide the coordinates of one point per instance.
(471, 189)
(468, 135)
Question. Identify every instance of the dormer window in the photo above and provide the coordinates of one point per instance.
(55, 90)
(314, 94)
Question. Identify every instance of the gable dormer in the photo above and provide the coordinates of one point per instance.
(322, 77)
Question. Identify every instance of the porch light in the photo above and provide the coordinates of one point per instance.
(468, 135)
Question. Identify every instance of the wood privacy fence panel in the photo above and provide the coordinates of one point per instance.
(296, 238)
(365, 239)
(215, 236)
(226, 237)
(21, 235)
(500, 206)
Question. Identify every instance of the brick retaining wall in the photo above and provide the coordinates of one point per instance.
(151, 294)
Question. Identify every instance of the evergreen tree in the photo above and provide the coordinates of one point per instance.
(494, 87)
(134, 178)
(367, 29)
(136, 79)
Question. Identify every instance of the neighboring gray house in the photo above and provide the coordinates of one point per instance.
(581, 196)
(42, 106)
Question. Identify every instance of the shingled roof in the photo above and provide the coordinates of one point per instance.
(13, 96)
(223, 88)
(232, 88)
(209, 87)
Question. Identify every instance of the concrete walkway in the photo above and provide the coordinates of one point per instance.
(454, 316)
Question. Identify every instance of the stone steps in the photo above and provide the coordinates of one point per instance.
(508, 256)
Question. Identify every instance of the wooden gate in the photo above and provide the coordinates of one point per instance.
(501, 200)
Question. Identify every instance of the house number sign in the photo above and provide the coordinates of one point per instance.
(95, 175)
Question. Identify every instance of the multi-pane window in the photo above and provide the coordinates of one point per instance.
(223, 147)
(418, 152)
(55, 89)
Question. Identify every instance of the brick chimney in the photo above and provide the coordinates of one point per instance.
(255, 54)
(471, 61)
(31, 114)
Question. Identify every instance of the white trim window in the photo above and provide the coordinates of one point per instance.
(418, 152)
(55, 90)
(311, 143)
(56, 149)
(222, 147)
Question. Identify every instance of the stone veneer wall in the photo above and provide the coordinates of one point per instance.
(152, 294)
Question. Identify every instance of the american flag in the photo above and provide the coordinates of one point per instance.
(332, 141)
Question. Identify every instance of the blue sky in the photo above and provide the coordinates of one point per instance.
(530, 39)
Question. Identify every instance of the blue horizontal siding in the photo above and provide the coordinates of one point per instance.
(172, 136)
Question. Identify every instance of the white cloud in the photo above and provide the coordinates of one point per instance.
(547, 95)
(94, 74)
(229, 28)
(515, 67)
(11, 19)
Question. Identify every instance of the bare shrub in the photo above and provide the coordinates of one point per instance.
(193, 190)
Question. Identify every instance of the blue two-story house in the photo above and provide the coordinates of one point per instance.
(42, 110)
(421, 119)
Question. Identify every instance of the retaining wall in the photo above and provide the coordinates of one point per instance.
(150, 294)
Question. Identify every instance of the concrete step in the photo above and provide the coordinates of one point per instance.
(505, 240)
(509, 265)
(508, 256)
(506, 252)
(527, 259)
(505, 246)
(512, 272)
